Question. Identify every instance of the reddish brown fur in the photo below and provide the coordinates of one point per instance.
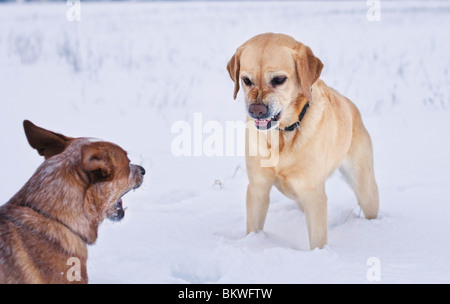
(58, 211)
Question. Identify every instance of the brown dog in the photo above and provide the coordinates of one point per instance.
(309, 127)
(46, 226)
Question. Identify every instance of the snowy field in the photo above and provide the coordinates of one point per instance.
(128, 71)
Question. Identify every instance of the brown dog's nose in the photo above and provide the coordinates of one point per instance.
(257, 110)
(142, 170)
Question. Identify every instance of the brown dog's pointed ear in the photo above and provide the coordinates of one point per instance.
(233, 69)
(47, 143)
(96, 160)
(308, 68)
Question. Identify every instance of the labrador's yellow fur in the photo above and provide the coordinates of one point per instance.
(332, 133)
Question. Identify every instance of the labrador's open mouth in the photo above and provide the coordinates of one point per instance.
(267, 123)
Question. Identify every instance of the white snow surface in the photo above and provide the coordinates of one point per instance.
(127, 71)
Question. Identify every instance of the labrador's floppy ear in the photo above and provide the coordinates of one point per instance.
(96, 160)
(233, 69)
(308, 68)
(47, 143)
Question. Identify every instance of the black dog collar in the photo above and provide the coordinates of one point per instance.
(296, 125)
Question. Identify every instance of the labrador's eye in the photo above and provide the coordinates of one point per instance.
(247, 81)
(278, 80)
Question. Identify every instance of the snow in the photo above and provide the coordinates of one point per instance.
(128, 71)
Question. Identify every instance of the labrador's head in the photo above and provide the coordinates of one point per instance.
(276, 73)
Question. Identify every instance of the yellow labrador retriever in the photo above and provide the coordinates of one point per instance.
(313, 128)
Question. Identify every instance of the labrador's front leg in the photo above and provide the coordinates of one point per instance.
(314, 201)
(258, 198)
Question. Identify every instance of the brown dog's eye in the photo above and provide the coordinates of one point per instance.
(279, 80)
(247, 81)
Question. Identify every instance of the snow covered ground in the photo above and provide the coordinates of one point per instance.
(128, 71)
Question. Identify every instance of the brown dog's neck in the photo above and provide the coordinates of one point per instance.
(45, 228)
(40, 214)
(57, 192)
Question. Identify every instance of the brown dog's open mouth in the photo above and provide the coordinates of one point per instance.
(119, 212)
(267, 123)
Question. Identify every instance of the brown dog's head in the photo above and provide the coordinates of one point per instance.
(277, 74)
(88, 177)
